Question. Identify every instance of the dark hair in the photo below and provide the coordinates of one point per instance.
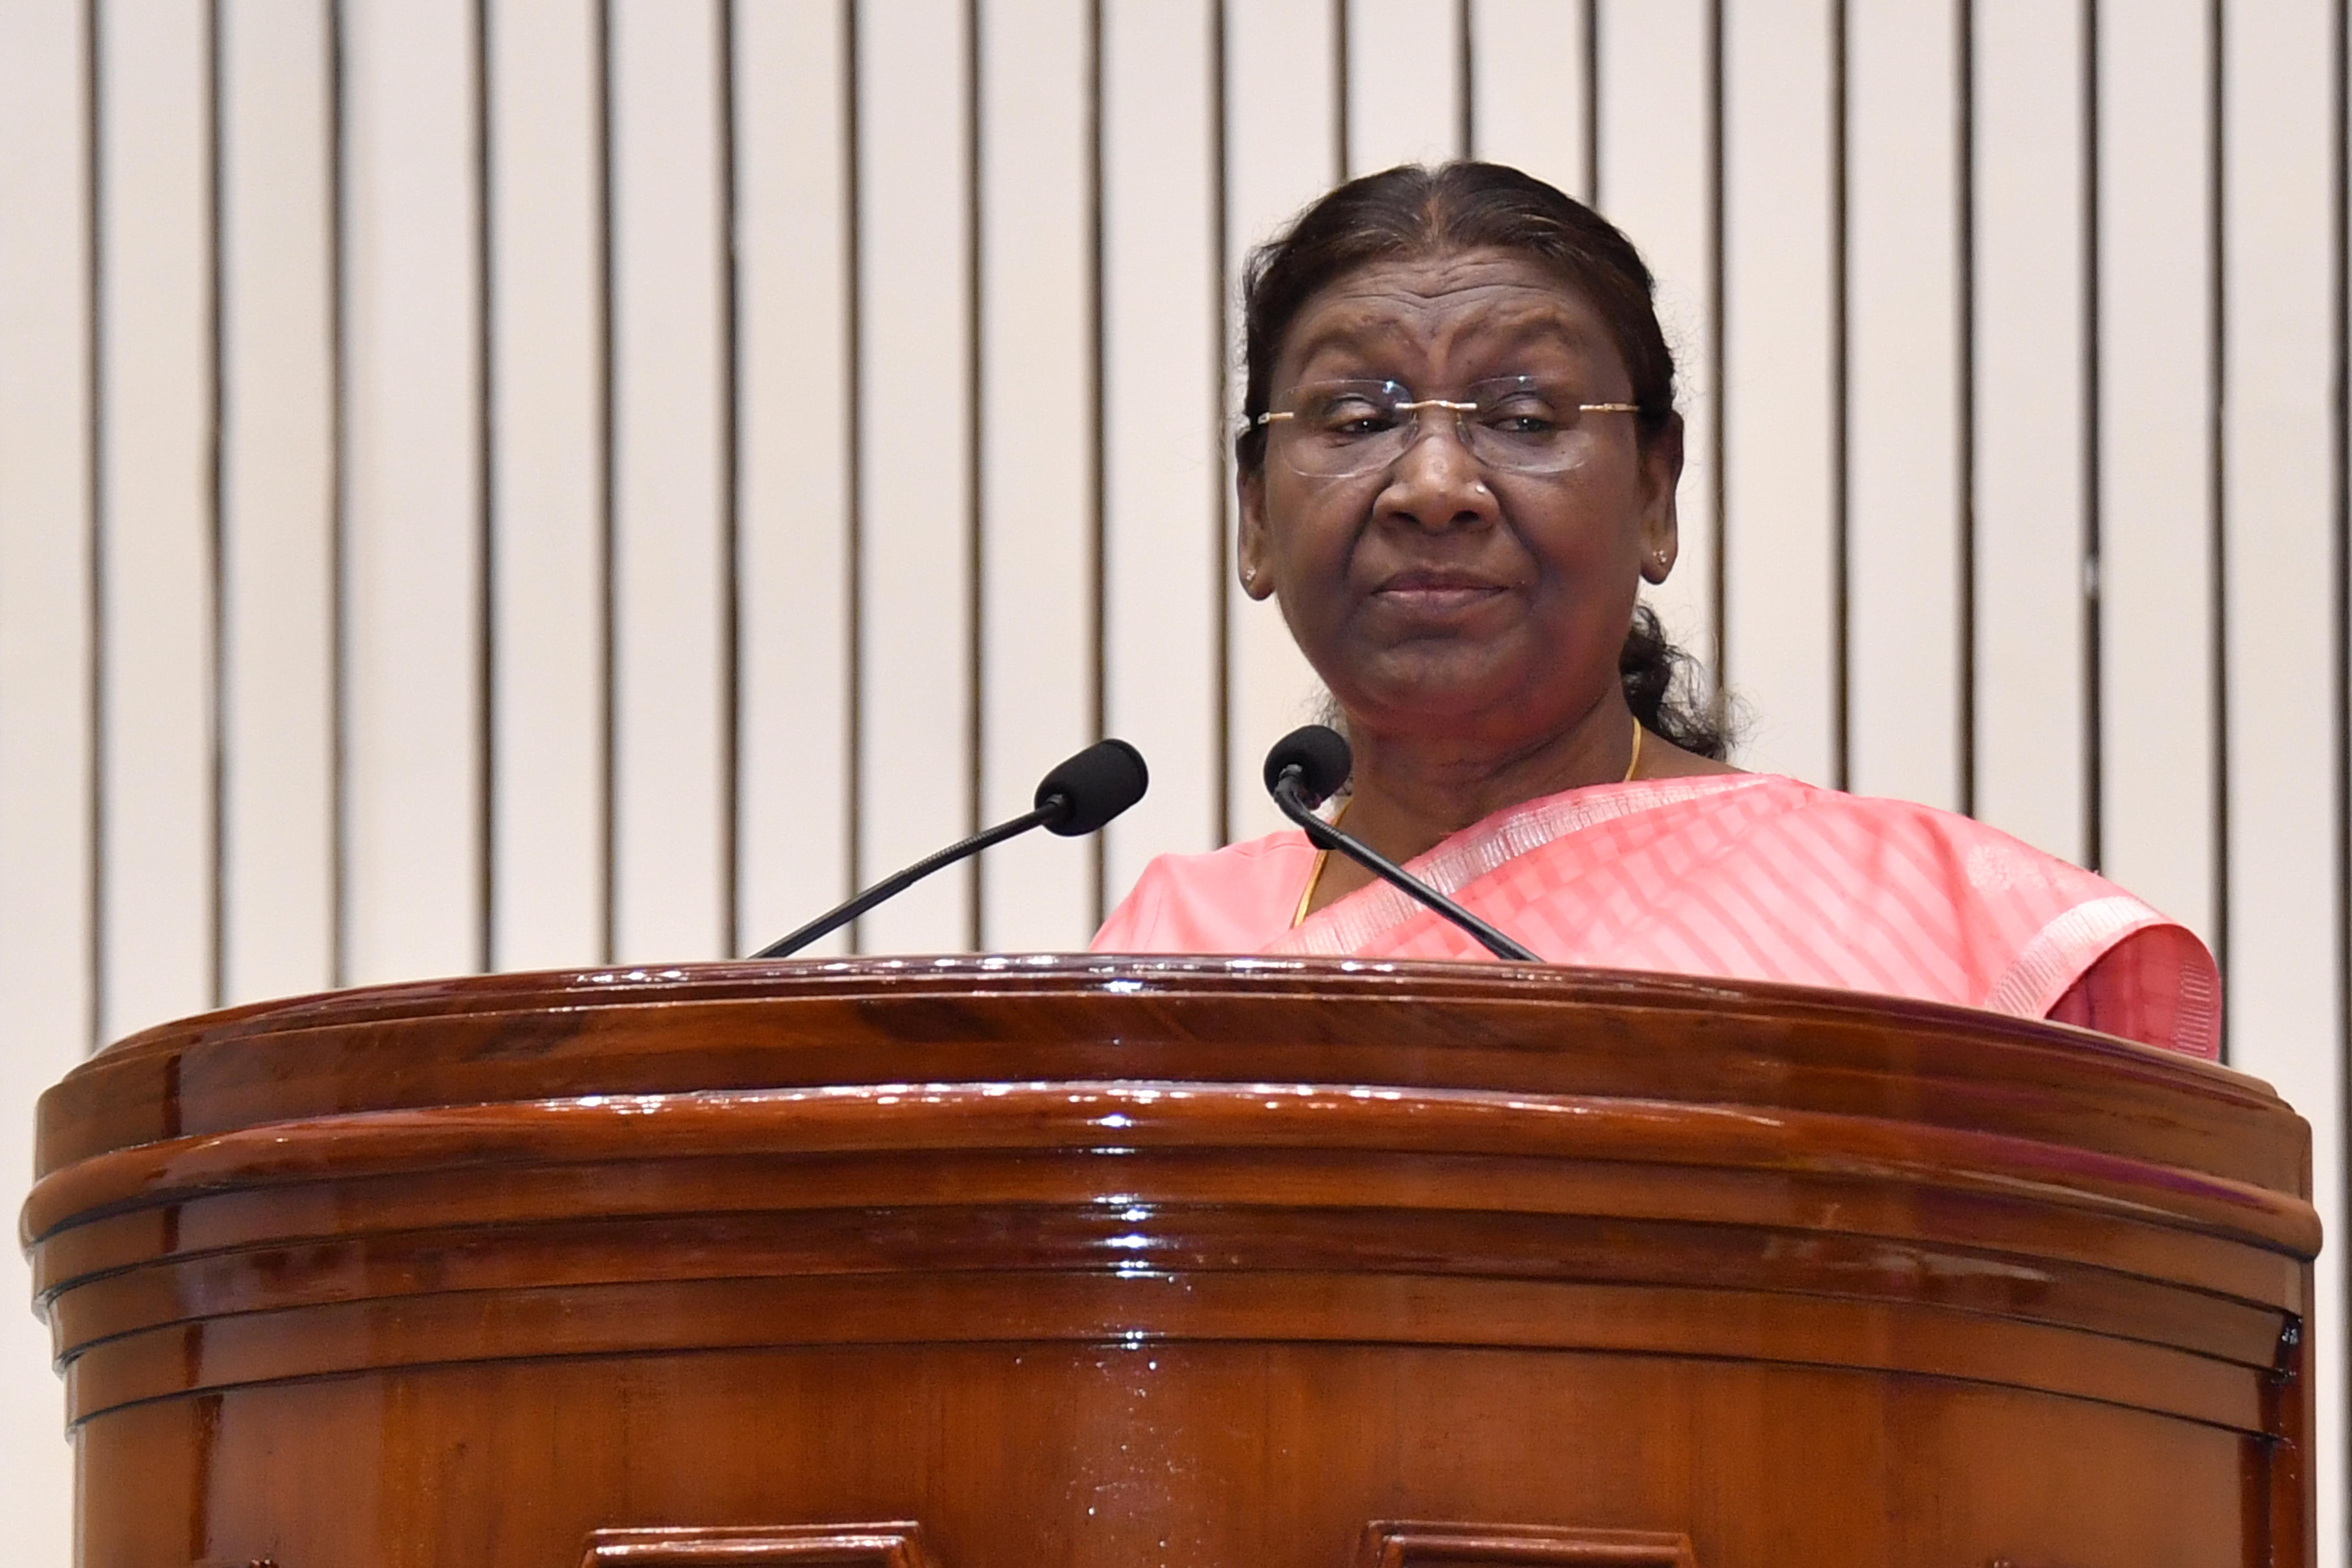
(1415, 211)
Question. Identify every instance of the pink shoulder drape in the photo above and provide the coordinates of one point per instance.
(1747, 876)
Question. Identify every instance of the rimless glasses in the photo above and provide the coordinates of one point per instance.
(1516, 424)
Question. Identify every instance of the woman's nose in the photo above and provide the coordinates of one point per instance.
(1437, 482)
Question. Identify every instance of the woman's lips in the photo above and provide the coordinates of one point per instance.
(1436, 593)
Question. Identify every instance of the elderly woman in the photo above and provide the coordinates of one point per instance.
(1457, 466)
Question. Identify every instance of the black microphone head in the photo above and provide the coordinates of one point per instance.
(1320, 756)
(1096, 785)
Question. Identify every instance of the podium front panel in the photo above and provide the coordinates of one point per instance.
(986, 1262)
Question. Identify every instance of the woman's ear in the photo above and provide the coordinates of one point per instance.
(1252, 554)
(1662, 472)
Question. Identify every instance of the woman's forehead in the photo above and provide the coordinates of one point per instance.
(1441, 306)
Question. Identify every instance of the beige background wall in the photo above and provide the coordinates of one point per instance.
(427, 544)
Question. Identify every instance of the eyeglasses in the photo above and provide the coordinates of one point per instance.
(1339, 429)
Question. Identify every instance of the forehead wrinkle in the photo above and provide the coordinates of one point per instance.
(1465, 328)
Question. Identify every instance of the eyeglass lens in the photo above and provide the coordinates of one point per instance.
(1342, 429)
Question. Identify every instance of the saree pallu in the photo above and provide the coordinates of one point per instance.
(1747, 877)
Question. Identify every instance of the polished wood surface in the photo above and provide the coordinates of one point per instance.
(984, 1262)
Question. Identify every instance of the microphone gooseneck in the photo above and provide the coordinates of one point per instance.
(1077, 798)
(1303, 770)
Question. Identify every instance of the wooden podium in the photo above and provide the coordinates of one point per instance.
(1021, 1263)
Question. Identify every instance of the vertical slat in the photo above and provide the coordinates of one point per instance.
(670, 571)
(1658, 183)
(1404, 83)
(794, 344)
(1282, 152)
(44, 655)
(1163, 463)
(413, 494)
(2031, 762)
(2156, 453)
(1527, 60)
(1778, 405)
(1903, 650)
(2285, 1010)
(547, 482)
(278, 502)
(1037, 457)
(914, 656)
(156, 648)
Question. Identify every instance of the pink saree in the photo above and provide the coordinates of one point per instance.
(1748, 876)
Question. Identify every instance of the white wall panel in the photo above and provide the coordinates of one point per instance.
(1657, 179)
(914, 650)
(672, 573)
(413, 498)
(278, 501)
(155, 513)
(1038, 455)
(545, 60)
(2156, 455)
(1780, 413)
(1164, 485)
(2285, 1016)
(1904, 549)
(2030, 185)
(44, 709)
(794, 347)
(1531, 98)
(926, 497)
(1281, 153)
(1404, 83)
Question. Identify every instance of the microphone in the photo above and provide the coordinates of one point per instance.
(1077, 798)
(1303, 770)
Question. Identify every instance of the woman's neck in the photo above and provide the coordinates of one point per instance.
(1414, 791)
(1411, 793)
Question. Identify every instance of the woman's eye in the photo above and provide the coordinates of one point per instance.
(1521, 421)
(1355, 417)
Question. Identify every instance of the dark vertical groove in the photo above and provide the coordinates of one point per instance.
(1465, 85)
(1341, 153)
(1720, 490)
(1097, 693)
(853, 440)
(2340, 466)
(1841, 416)
(975, 463)
(1965, 300)
(94, 413)
(730, 522)
(1593, 101)
(608, 716)
(337, 525)
(218, 763)
(2094, 717)
(2217, 478)
(207, 1425)
(486, 669)
(1220, 223)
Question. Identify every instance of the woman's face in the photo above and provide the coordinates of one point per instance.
(1437, 597)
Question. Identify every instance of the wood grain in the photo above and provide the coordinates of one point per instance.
(1076, 1261)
